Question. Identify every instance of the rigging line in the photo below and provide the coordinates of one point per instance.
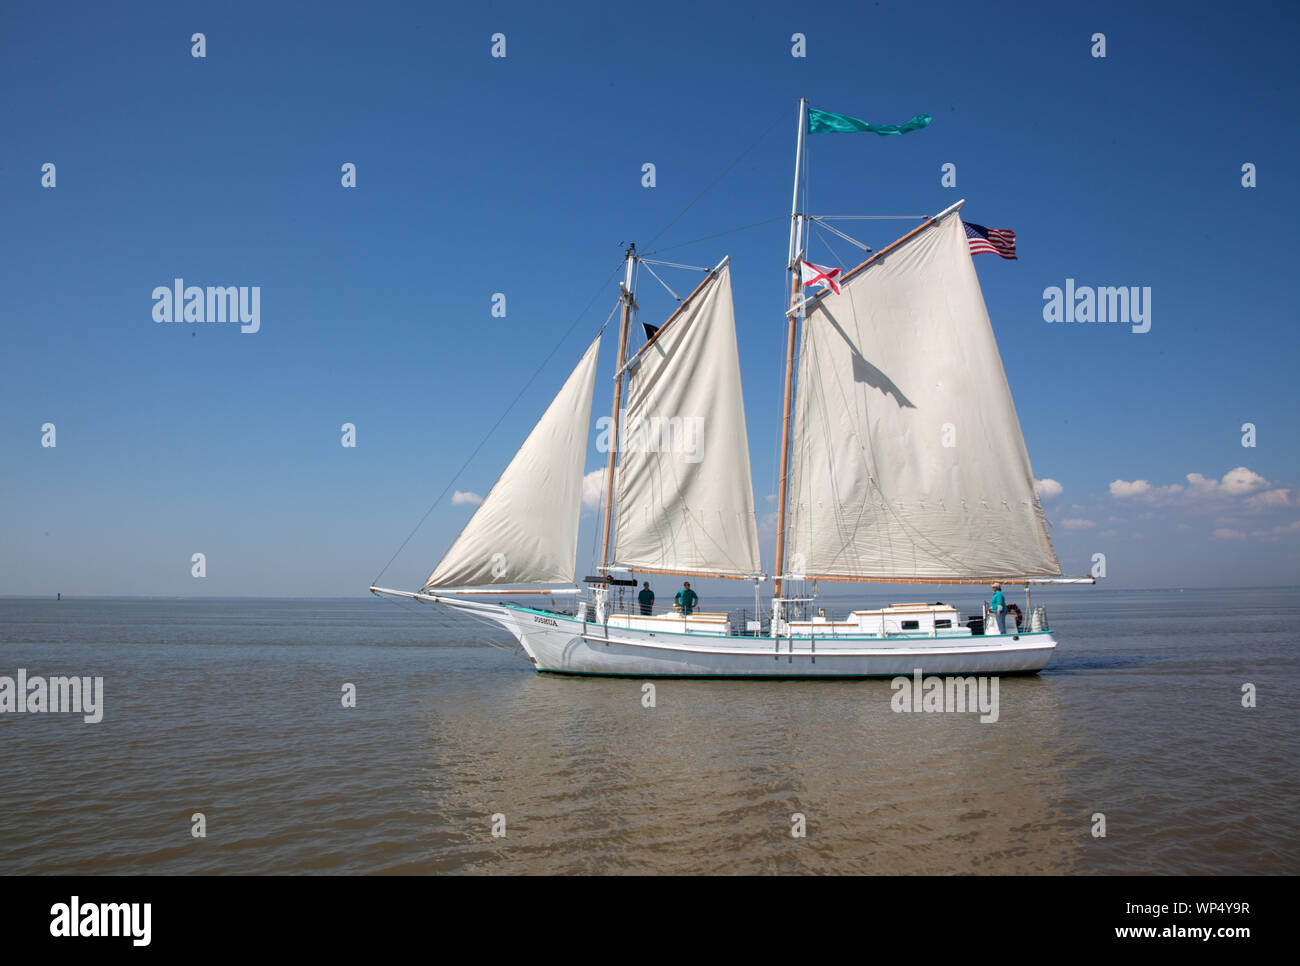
(719, 234)
(593, 551)
(617, 303)
(690, 268)
(848, 238)
(522, 389)
(467, 616)
(868, 217)
(715, 181)
(597, 530)
(414, 606)
(839, 259)
(661, 281)
(815, 237)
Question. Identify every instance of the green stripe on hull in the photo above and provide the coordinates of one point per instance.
(760, 677)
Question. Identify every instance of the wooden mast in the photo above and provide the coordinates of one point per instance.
(628, 305)
(792, 322)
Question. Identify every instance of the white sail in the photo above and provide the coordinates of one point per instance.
(907, 458)
(685, 500)
(526, 530)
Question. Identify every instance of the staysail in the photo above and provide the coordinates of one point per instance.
(526, 530)
(685, 499)
(907, 457)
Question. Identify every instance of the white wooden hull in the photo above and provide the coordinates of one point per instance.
(565, 645)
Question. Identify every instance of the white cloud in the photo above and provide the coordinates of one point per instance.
(1241, 481)
(1227, 533)
(593, 489)
(1073, 524)
(1271, 535)
(465, 498)
(1235, 483)
(1270, 500)
(1048, 489)
(1122, 489)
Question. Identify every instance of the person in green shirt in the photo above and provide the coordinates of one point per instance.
(687, 599)
(999, 607)
(646, 598)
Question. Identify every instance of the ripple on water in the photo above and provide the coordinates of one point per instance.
(232, 708)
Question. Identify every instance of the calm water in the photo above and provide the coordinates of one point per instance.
(232, 708)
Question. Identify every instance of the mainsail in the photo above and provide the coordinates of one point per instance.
(526, 530)
(907, 459)
(685, 499)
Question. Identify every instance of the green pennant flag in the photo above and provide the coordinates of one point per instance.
(824, 122)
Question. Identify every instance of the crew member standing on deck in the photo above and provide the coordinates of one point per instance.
(999, 607)
(646, 598)
(687, 599)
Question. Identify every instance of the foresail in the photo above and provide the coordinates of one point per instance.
(907, 458)
(526, 530)
(685, 499)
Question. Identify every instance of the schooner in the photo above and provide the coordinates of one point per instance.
(902, 461)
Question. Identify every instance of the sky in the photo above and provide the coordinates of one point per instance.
(522, 175)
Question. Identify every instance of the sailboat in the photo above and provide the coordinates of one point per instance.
(902, 461)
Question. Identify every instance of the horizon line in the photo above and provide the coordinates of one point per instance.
(507, 593)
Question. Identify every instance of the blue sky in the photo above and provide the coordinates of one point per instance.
(522, 175)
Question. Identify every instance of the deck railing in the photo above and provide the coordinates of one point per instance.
(741, 618)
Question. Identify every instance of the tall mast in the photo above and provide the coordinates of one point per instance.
(628, 305)
(792, 322)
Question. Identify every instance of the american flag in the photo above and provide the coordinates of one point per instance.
(995, 241)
